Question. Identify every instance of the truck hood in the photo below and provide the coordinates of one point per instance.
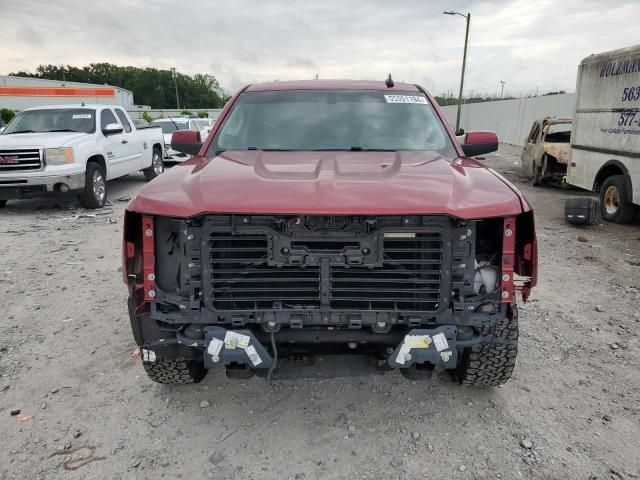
(330, 183)
(45, 140)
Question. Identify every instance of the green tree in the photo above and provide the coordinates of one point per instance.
(7, 114)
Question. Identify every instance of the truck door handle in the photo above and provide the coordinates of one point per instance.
(125, 141)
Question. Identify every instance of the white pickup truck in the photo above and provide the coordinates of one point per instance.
(74, 149)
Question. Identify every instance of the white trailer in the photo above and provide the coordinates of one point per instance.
(605, 138)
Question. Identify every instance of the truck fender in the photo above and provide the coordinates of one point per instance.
(614, 167)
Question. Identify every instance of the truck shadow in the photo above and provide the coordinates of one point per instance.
(120, 189)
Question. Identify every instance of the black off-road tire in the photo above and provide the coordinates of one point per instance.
(3, 203)
(157, 165)
(491, 364)
(94, 194)
(614, 206)
(175, 372)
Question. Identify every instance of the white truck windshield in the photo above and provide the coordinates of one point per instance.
(80, 120)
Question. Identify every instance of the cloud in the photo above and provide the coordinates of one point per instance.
(528, 44)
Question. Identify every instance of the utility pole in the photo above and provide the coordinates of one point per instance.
(502, 88)
(464, 64)
(175, 82)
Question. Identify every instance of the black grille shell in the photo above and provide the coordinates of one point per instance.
(410, 276)
(409, 279)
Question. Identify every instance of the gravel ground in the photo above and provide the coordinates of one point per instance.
(572, 409)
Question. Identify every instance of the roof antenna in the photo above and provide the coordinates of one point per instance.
(82, 103)
(389, 82)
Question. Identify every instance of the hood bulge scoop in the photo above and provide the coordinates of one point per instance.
(326, 166)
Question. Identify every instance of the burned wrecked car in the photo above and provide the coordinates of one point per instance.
(546, 151)
(331, 226)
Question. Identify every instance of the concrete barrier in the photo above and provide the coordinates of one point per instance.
(511, 119)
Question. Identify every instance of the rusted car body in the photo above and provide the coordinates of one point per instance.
(546, 150)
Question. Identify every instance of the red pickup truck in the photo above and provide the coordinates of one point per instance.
(329, 226)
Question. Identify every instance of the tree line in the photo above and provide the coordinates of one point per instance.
(150, 86)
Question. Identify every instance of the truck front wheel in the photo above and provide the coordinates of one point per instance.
(173, 372)
(491, 363)
(94, 194)
(3, 203)
(156, 167)
(613, 201)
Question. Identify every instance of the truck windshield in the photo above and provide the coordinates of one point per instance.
(79, 120)
(169, 127)
(317, 120)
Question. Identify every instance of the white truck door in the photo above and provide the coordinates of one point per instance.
(115, 147)
(134, 143)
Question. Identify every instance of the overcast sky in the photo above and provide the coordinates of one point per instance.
(527, 43)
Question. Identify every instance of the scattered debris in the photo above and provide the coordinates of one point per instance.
(462, 468)
(599, 308)
(614, 346)
(204, 404)
(582, 238)
(77, 433)
(136, 352)
(415, 435)
(76, 463)
(526, 443)
(23, 418)
(216, 458)
(15, 412)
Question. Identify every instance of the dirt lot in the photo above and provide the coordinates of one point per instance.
(572, 409)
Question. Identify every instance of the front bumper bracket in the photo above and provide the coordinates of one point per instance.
(226, 347)
(435, 346)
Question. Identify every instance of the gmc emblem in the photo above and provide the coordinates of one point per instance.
(8, 160)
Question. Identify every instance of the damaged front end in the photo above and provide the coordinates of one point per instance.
(249, 292)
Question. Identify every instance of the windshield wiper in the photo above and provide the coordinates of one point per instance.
(62, 130)
(270, 149)
(360, 149)
(19, 131)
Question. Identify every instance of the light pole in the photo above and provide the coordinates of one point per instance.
(502, 82)
(175, 82)
(467, 17)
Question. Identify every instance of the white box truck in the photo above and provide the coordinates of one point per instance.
(605, 138)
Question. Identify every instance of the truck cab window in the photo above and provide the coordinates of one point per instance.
(123, 120)
(107, 118)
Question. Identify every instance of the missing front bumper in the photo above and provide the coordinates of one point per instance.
(429, 348)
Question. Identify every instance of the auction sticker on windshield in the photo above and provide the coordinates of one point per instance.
(405, 99)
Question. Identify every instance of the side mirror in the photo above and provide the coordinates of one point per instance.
(479, 143)
(186, 141)
(112, 129)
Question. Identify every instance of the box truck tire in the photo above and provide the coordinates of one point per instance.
(614, 205)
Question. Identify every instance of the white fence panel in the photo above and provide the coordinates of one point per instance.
(511, 119)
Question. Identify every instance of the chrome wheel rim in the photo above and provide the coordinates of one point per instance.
(158, 165)
(611, 200)
(99, 186)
